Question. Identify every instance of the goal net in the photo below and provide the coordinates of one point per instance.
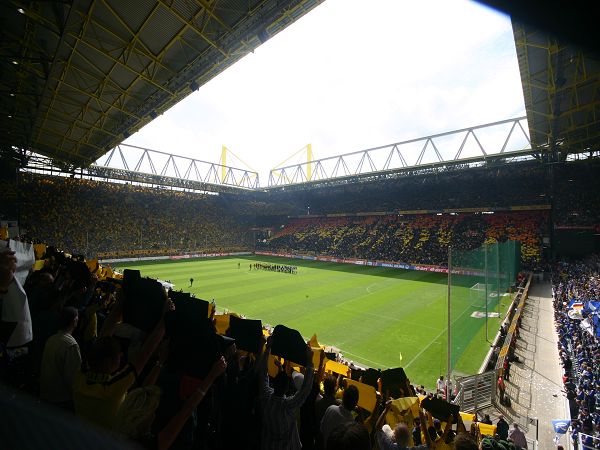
(480, 278)
(477, 294)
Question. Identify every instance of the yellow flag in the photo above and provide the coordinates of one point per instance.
(4, 233)
(367, 396)
(314, 343)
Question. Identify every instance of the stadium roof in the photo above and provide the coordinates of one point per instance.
(80, 76)
(561, 86)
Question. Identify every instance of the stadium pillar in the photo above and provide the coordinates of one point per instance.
(449, 351)
(223, 163)
(309, 162)
(485, 253)
(497, 280)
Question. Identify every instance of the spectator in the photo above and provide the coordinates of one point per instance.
(502, 428)
(501, 389)
(15, 326)
(400, 437)
(517, 436)
(463, 441)
(416, 431)
(349, 436)
(136, 414)
(99, 392)
(337, 415)
(440, 386)
(60, 362)
(328, 399)
(280, 431)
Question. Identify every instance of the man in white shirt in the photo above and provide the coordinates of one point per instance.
(60, 362)
(440, 385)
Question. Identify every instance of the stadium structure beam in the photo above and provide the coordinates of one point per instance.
(464, 146)
(83, 76)
(561, 89)
(163, 164)
(41, 164)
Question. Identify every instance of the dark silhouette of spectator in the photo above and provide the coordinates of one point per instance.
(349, 436)
(337, 415)
(279, 429)
(60, 362)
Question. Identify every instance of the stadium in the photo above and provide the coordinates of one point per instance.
(441, 290)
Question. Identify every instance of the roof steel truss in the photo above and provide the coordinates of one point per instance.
(483, 141)
(144, 160)
(80, 76)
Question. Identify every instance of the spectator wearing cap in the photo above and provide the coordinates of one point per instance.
(60, 362)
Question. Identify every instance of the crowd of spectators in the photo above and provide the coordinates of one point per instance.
(137, 361)
(82, 215)
(574, 284)
(577, 203)
(421, 239)
(484, 187)
(91, 217)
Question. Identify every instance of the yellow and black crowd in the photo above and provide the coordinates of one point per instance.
(416, 239)
(98, 218)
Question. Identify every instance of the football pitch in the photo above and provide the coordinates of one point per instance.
(378, 317)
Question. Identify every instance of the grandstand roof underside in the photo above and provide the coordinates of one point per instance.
(80, 76)
(561, 87)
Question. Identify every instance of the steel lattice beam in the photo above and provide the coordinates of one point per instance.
(506, 137)
(136, 159)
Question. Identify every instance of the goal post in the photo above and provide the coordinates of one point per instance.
(480, 277)
(478, 293)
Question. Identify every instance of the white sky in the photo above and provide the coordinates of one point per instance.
(351, 75)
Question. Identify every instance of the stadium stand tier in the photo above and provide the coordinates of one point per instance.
(576, 289)
(420, 239)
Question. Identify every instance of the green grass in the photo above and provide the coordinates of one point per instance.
(372, 314)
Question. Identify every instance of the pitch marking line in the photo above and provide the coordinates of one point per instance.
(344, 352)
(380, 316)
(433, 341)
